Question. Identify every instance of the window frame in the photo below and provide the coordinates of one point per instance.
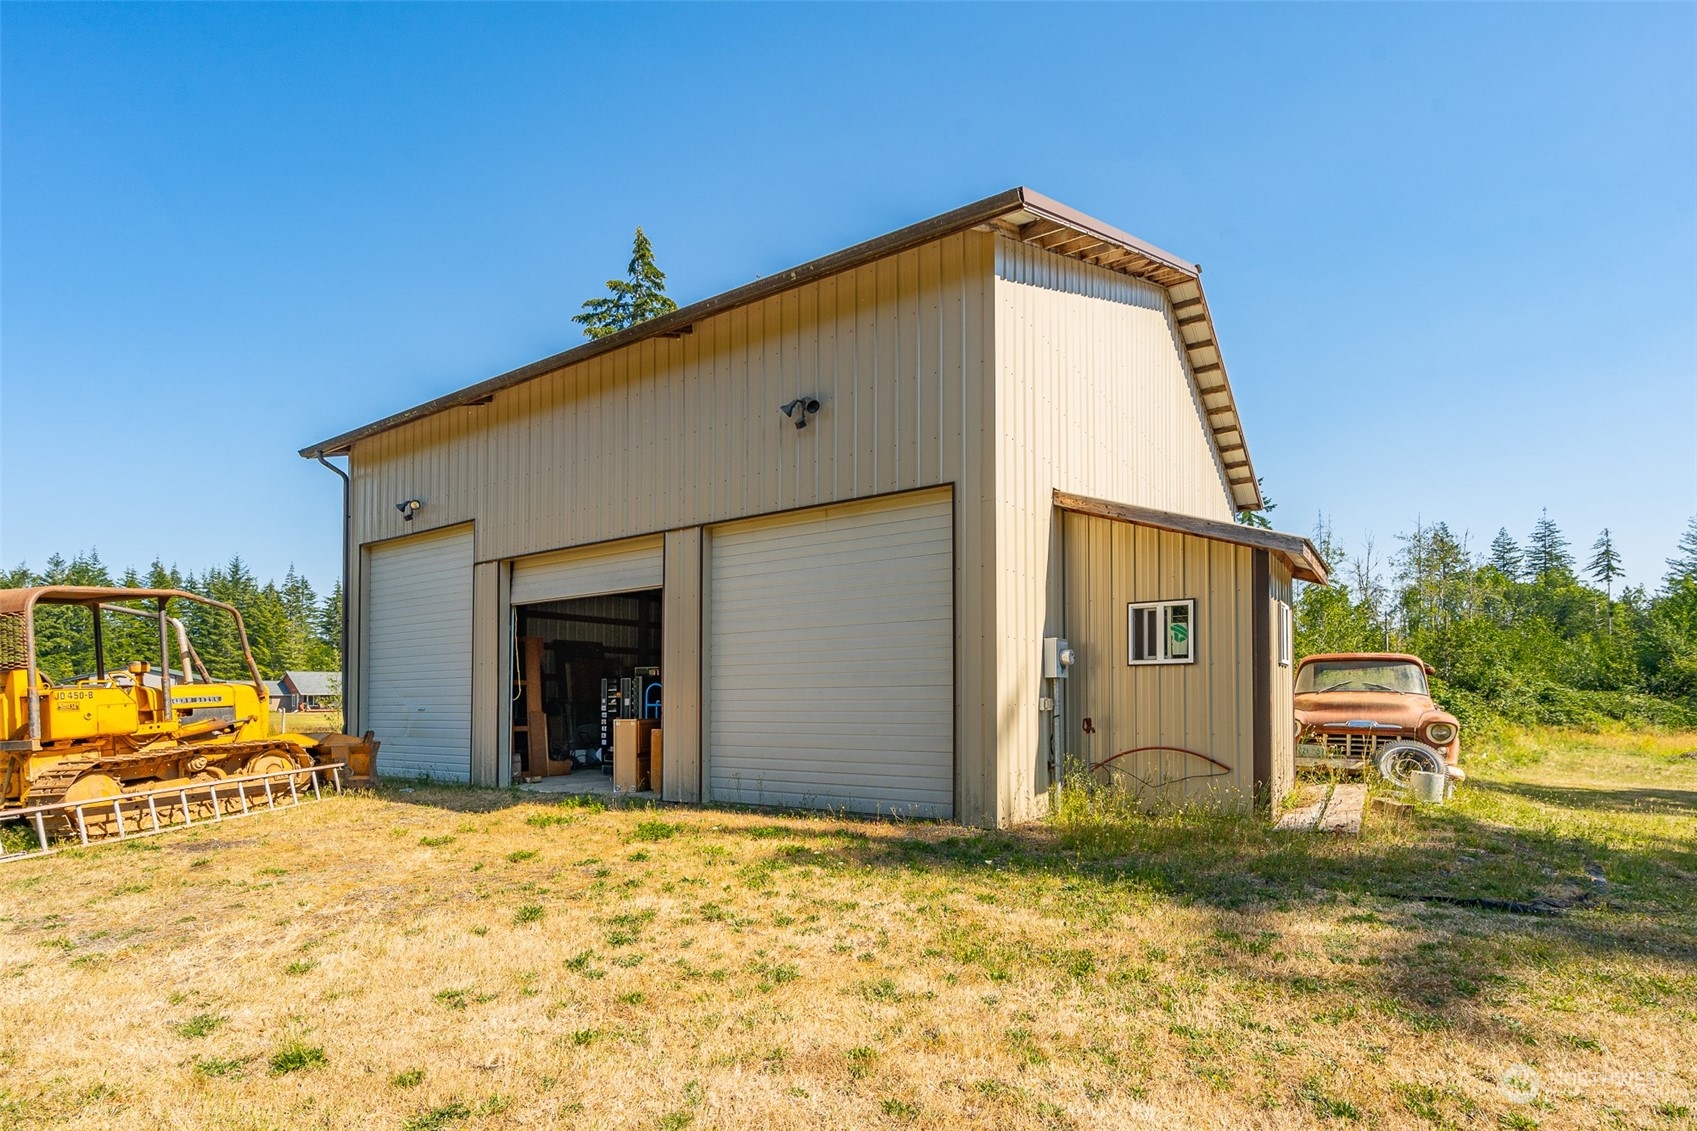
(1162, 608)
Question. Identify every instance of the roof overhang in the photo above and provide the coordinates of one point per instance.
(1298, 552)
(1019, 214)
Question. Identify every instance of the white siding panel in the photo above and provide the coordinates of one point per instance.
(830, 680)
(614, 567)
(418, 648)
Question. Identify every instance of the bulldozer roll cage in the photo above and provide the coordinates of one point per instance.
(17, 638)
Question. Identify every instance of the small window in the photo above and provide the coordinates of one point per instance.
(1285, 633)
(1163, 632)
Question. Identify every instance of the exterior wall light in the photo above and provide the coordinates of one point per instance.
(408, 509)
(800, 409)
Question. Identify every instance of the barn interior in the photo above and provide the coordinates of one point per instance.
(580, 665)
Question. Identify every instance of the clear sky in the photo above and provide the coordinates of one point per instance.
(1451, 250)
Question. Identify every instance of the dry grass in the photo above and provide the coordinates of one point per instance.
(447, 959)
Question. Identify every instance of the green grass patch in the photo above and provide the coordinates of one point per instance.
(200, 1025)
(655, 829)
(295, 1055)
(437, 1118)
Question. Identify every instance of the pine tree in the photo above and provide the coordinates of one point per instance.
(300, 615)
(639, 296)
(1684, 562)
(1506, 557)
(1547, 556)
(330, 627)
(1604, 567)
(1258, 518)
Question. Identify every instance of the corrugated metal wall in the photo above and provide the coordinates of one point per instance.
(1094, 397)
(672, 434)
(1206, 706)
(678, 432)
(976, 361)
(681, 666)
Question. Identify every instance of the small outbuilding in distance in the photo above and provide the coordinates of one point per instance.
(913, 529)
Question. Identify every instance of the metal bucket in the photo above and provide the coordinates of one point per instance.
(1428, 787)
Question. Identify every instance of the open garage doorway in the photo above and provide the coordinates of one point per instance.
(579, 666)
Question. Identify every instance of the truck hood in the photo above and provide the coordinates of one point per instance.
(1405, 712)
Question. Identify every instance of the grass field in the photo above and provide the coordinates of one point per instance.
(455, 958)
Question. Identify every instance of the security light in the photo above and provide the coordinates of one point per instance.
(408, 508)
(799, 409)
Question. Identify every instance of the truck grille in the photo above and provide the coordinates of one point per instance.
(1344, 745)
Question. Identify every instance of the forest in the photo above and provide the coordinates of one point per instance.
(290, 627)
(1519, 632)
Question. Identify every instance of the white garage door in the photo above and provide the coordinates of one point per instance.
(612, 567)
(830, 668)
(417, 688)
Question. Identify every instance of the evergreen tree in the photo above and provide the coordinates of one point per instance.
(1604, 567)
(330, 628)
(300, 622)
(1505, 556)
(1547, 556)
(1684, 562)
(1258, 518)
(639, 296)
(64, 635)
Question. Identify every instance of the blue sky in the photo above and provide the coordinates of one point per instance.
(1451, 250)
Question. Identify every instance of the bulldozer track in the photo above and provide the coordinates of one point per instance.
(51, 787)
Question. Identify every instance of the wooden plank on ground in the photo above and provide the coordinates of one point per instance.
(1343, 811)
(1307, 812)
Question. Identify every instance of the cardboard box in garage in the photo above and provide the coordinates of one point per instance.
(632, 739)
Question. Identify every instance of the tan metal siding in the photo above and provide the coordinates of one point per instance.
(1284, 694)
(673, 433)
(680, 666)
(1206, 706)
(1093, 396)
(1096, 393)
(678, 432)
(486, 586)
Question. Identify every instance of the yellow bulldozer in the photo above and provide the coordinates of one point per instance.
(142, 724)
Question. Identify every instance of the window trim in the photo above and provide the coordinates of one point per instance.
(1162, 607)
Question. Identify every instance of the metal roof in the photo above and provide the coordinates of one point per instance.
(1018, 213)
(1299, 553)
(314, 683)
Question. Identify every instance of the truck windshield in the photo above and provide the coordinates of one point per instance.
(1361, 675)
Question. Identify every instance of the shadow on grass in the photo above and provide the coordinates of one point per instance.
(1236, 862)
(1624, 800)
(1397, 884)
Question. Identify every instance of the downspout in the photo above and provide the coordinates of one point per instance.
(347, 590)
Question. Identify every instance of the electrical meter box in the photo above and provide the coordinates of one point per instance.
(1058, 656)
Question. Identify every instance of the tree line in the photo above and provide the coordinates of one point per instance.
(290, 627)
(1520, 631)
